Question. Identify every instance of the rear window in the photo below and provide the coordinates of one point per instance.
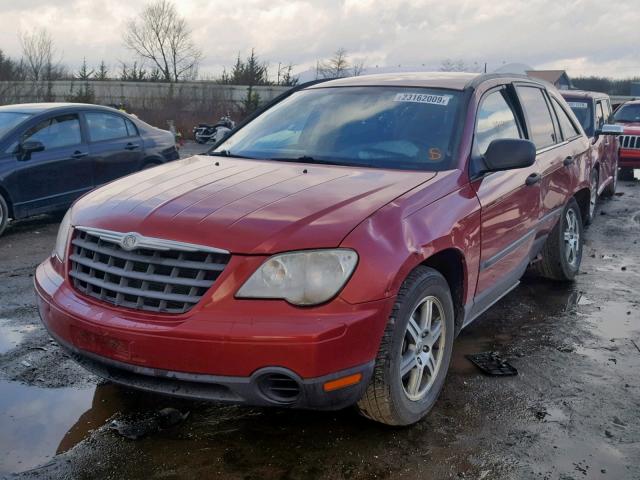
(583, 110)
(381, 127)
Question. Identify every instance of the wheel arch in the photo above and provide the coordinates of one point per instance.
(582, 196)
(451, 264)
(5, 194)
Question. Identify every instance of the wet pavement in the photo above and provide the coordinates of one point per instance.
(572, 412)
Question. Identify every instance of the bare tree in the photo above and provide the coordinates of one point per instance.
(162, 37)
(339, 66)
(336, 67)
(449, 65)
(39, 53)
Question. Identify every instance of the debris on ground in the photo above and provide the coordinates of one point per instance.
(134, 429)
(492, 364)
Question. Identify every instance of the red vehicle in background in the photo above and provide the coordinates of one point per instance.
(328, 252)
(628, 115)
(593, 110)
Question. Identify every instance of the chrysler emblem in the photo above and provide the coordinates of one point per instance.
(129, 241)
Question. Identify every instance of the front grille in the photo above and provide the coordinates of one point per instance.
(631, 142)
(163, 279)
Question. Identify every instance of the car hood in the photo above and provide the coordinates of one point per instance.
(631, 128)
(245, 206)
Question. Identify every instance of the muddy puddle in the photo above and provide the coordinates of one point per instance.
(35, 421)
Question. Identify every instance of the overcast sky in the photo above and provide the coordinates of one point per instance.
(598, 37)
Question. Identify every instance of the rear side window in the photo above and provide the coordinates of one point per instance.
(106, 126)
(495, 120)
(566, 125)
(540, 124)
(131, 128)
(56, 132)
(600, 116)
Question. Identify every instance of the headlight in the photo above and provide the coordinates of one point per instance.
(301, 278)
(63, 237)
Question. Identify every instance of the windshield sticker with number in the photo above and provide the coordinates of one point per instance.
(578, 104)
(423, 98)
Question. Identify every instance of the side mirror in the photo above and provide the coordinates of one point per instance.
(610, 130)
(509, 154)
(27, 148)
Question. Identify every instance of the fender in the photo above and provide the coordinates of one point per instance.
(441, 215)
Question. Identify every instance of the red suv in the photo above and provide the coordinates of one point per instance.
(628, 115)
(330, 250)
(593, 110)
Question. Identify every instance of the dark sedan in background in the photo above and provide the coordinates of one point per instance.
(51, 153)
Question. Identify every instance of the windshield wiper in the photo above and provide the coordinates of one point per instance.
(227, 153)
(308, 159)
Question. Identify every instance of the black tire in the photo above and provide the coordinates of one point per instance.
(555, 263)
(610, 190)
(626, 173)
(4, 214)
(148, 165)
(386, 399)
(590, 212)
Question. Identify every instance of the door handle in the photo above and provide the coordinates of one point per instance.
(568, 161)
(131, 146)
(79, 154)
(533, 179)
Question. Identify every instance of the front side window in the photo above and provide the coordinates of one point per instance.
(628, 114)
(541, 130)
(566, 125)
(56, 132)
(106, 126)
(382, 127)
(495, 120)
(8, 120)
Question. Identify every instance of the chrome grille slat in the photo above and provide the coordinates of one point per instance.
(135, 291)
(119, 253)
(630, 142)
(161, 280)
(148, 277)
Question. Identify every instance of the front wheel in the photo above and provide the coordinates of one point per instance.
(562, 252)
(626, 173)
(4, 214)
(414, 353)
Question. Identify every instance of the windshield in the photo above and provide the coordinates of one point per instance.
(384, 127)
(8, 120)
(583, 109)
(628, 114)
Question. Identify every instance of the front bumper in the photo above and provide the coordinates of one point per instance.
(629, 158)
(210, 354)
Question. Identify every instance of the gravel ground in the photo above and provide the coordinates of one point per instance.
(570, 413)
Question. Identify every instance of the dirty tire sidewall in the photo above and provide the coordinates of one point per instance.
(385, 400)
(4, 214)
(567, 271)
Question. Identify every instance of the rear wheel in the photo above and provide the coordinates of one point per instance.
(4, 214)
(593, 198)
(414, 353)
(562, 252)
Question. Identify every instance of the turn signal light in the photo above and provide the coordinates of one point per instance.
(342, 382)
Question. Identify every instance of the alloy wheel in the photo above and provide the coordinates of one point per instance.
(572, 238)
(423, 348)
